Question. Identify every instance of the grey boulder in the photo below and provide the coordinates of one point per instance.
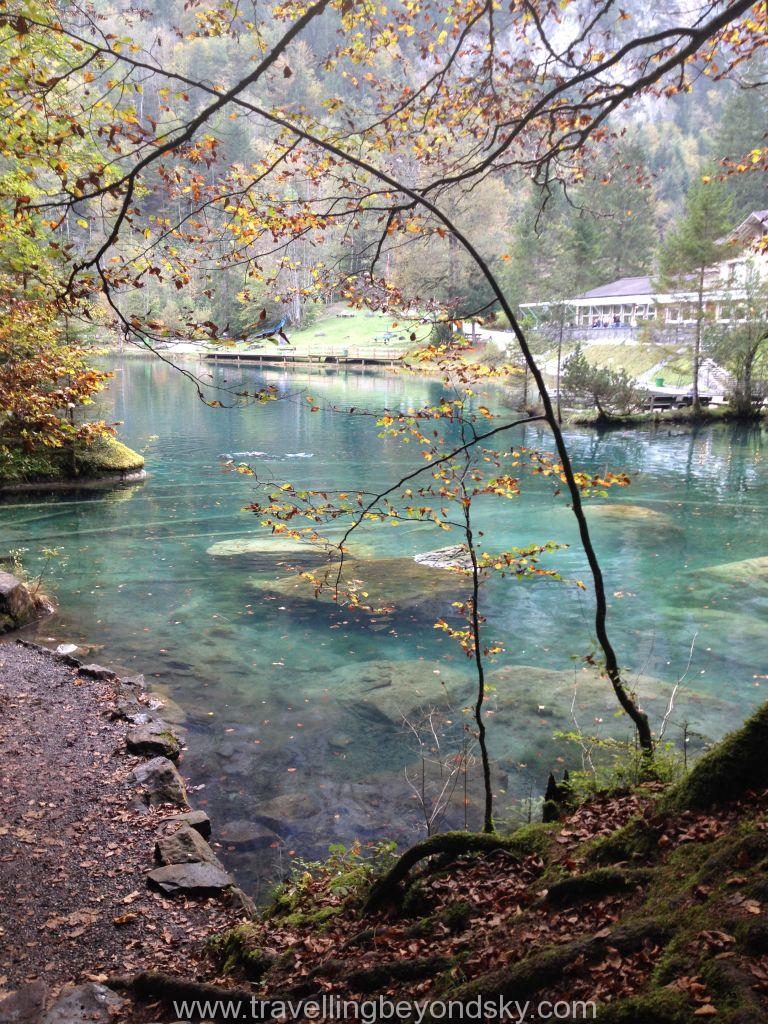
(185, 846)
(26, 1005)
(189, 880)
(95, 671)
(153, 739)
(197, 820)
(84, 1004)
(161, 782)
(17, 606)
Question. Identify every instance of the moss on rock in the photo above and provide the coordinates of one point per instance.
(108, 455)
(238, 950)
(731, 769)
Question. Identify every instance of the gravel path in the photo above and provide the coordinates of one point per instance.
(74, 851)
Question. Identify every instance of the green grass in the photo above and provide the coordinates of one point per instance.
(637, 360)
(355, 330)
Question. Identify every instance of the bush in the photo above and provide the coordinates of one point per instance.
(611, 392)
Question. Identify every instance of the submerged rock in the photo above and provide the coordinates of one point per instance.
(247, 834)
(161, 783)
(153, 738)
(271, 545)
(189, 880)
(750, 572)
(84, 1004)
(525, 706)
(455, 556)
(539, 702)
(619, 512)
(399, 583)
(392, 689)
(185, 846)
(281, 811)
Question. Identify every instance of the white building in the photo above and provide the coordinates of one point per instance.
(630, 301)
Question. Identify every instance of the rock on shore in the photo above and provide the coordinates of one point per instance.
(18, 604)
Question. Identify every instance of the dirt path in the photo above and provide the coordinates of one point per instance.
(74, 849)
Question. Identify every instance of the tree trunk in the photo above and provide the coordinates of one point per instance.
(480, 669)
(559, 362)
(697, 344)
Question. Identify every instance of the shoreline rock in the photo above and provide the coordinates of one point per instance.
(161, 783)
(153, 739)
(93, 701)
(185, 846)
(19, 605)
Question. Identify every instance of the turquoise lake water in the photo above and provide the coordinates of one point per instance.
(293, 707)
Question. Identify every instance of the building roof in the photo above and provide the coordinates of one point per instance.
(624, 286)
(755, 223)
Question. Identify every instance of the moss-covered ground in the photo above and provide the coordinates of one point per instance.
(651, 904)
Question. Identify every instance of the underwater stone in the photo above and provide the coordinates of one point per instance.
(247, 834)
(455, 556)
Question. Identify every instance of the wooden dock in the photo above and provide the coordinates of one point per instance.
(286, 357)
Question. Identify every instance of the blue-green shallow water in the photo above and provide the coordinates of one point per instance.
(270, 683)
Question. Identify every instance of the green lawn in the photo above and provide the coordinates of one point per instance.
(354, 330)
(637, 360)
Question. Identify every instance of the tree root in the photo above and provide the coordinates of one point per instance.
(450, 844)
(528, 976)
(371, 979)
(156, 985)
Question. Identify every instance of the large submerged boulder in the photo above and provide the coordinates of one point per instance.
(619, 512)
(749, 572)
(391, 583)
(392, 690)
(526, 706)
(273, 546)
(455, 556)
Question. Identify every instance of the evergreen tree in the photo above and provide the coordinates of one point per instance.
(622, 209)
(742, 130)
(691, 248)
